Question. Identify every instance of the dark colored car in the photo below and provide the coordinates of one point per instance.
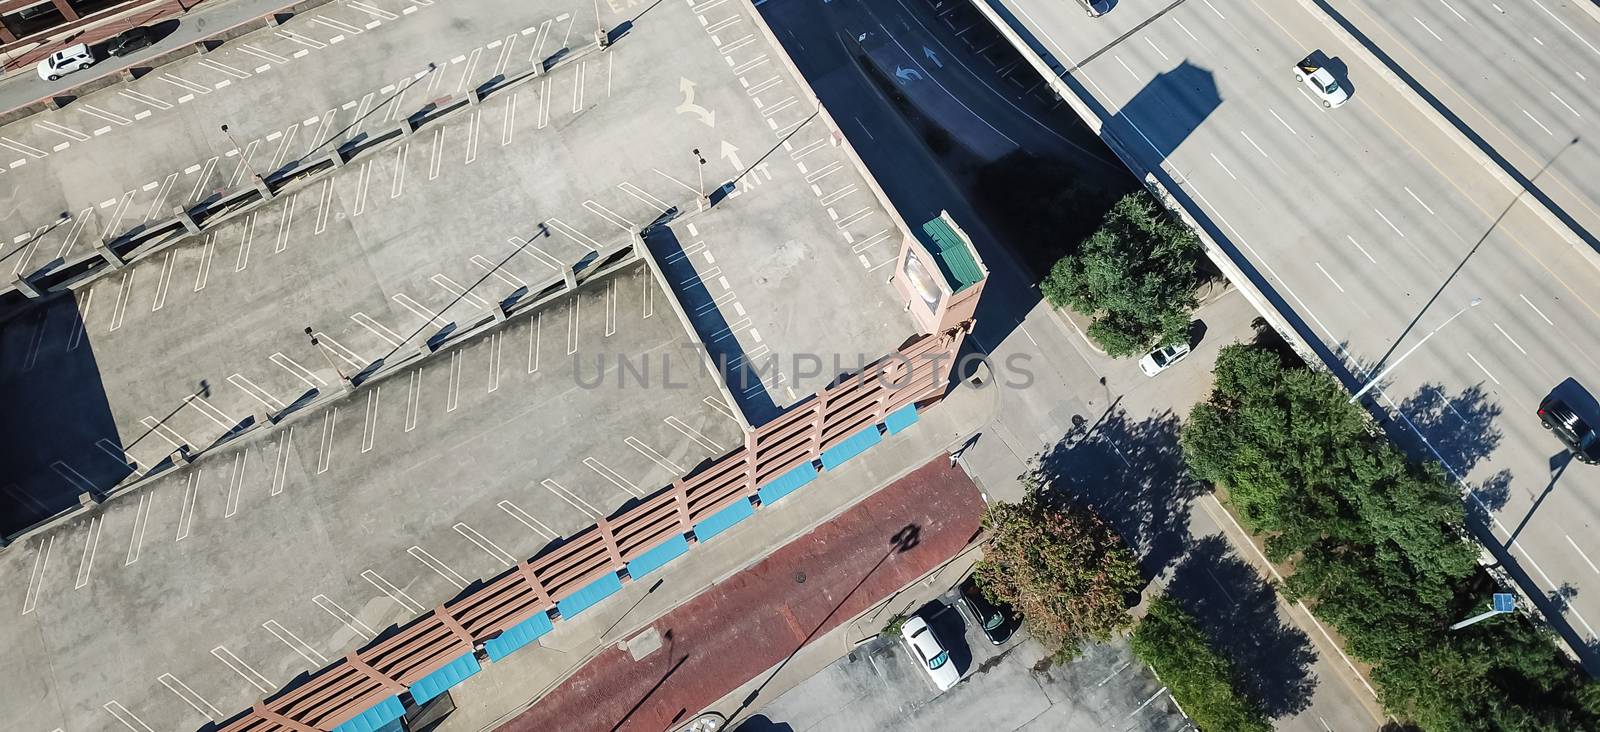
(1581, 439)
(998, 620)
(129, 41)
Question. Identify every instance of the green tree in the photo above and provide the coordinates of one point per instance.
(1062, 567)
(1379, 549)
(1204, 683)
(1135, 275)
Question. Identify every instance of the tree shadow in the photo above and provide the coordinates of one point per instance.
(1238, 611)
(1132, 474)
(1461, 428)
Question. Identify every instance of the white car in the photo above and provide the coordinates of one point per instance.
(65, 61)
(927, 650)
(1158, 360)
(1321, 83)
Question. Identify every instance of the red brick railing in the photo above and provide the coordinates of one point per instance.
(363, 678)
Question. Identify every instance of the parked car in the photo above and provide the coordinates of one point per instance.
(129, 41)
(65, 61)
(1317, 78)
(1162, 358)
(928, 651)
(997, 620)
(1573, 432)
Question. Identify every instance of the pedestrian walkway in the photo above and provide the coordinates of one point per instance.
(488, 700)
(755, 619)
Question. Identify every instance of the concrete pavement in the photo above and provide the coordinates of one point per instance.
(1369, 229)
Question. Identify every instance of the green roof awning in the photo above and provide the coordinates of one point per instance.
(950, 249)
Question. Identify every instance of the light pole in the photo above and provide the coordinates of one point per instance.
(1475, 302)
(701, 169)
(324, 351)
(600, 34)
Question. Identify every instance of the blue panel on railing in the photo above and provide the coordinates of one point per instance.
(518, 636)
(376, 718)
(901, 418)
(654, 559)
(785, 484)
(851, 446)
(591, 593)
(440, 681)
(723, 520)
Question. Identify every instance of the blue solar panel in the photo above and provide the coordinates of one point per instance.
(723, 520)
(376, 719)
(654, 559)
(901, 418)
(440, 681)
(591, 593)
(1505, 602)
(787, 483)
(851, 446)
(518, 636)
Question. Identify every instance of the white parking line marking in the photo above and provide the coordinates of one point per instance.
(280, 461)
(653, 456)
(191, 495)
(243, 669)
(527, 519)
(62, 130)
(413, 399)
(405, 301)
(394, 593)
(210, 410)
(694, 434)
(111, 117)
(436, 153)
(263, 54)
(41, 564)
(91, 542)
(388, 336)
(296, 370)
(325, 449)
(401, 152)
(453, 391)
(236, 483)
(369, 427)
(571, 498)
(311, 655)
(324, 205)
(247, 234)
(572, 326)
(1481, 367)
(533, 341)
(284, 223)
(496, 342)
(363, 180)
(28, 150)
(483, 542)
(121, 713)
(613, 476)
(434, 564)
(342, 615)
(141, 521)
(348, 356)
(187, 694)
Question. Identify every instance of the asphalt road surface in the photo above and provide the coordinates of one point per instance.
(1376, 232)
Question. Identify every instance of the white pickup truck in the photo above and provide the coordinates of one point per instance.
(1321, 83)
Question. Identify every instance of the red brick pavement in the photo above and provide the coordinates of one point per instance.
(752, 621)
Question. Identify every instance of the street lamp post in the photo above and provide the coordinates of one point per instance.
(1475, 302)
(701, 169)
(600, 34)
(1503, 602)
(324, 351)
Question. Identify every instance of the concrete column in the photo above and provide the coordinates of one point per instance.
(182, 215)
(570, 278)
(474, 98)
(337, 158)
(26, 288)
(88, 498)
(499, 312)
(262, 187)
(406, 130)
(103, 247)
(201, 48)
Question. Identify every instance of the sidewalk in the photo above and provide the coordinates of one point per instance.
(762, 615)
(492, 698)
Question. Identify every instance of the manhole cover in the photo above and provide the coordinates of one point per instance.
(799, 578)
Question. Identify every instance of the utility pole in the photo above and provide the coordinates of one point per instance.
(701, 169)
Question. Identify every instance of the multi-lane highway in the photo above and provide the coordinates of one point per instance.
(1372, 225)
